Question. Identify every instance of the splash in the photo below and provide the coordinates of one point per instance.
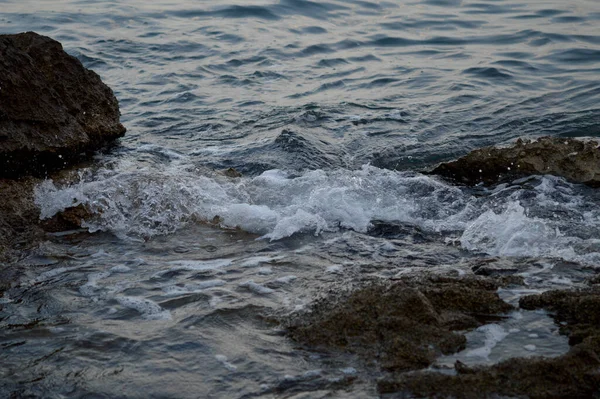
(540, 217)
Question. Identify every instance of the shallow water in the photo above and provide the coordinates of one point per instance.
(329, 110)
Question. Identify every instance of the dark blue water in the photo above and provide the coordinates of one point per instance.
(329, 110)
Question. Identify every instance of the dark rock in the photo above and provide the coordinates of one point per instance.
(53, 113)
(573, 375)
(403, 325)
(69, 219)
(52, 109)
(232, 172)
(18, 217)
(578, 311)
(575, 160)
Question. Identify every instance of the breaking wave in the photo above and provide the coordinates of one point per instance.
(539, 216)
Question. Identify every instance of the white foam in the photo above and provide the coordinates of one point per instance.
(5, 299)
(265, 270)
(256, 288)
(285, 279)
(226, 364)
(333, 269)
(194, 266)
(257, 260)
(193, 288)
(148, 309)
(89, 289)
(494, 333)
(120, 269)
(148, 202)
(545, 218)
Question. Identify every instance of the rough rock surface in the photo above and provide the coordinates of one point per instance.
(52, 109)
(575, 160)
(403, 325)
(573, 375)
(18, 216)
(53, 112)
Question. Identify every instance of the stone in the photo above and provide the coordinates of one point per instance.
(18, 217)
(401, 325)
(53, 111)
(575, 160)
(573, 375)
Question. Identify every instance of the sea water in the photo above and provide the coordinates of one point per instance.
(330, 111)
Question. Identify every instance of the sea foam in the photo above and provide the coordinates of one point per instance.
(545, 216)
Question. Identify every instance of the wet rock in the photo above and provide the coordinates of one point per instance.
(53, 111)
(575, 160)
(401, 325)
(573, 375)
(578, 311)
(232, 172)
(69, 219)
(18, 217)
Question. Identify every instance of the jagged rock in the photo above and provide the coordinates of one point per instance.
(53, 112)
(232, 172)
(573, 375)
(69, 219)
(403, 325)
(52, 109)
(578, 311)
(575, 160)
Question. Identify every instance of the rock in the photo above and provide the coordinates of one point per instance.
(53, 112)
(575, 160)
(52, 109)
(69, 219)
(573, 375)
(402, 325)
(578, 311)
(231, 172)
(18, 216)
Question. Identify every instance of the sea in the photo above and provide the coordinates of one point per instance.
(277, 154)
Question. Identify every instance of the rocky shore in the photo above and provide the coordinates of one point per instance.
(54, 113)
(575, 160)
(573, 375)
(401, 327)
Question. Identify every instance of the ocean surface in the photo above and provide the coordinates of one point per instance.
(330, 111)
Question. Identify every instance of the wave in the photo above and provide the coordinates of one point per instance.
(538, 216)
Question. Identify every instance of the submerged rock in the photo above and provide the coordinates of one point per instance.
(575, 160)
(52, 109)
(573, 375)
(403, 325)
